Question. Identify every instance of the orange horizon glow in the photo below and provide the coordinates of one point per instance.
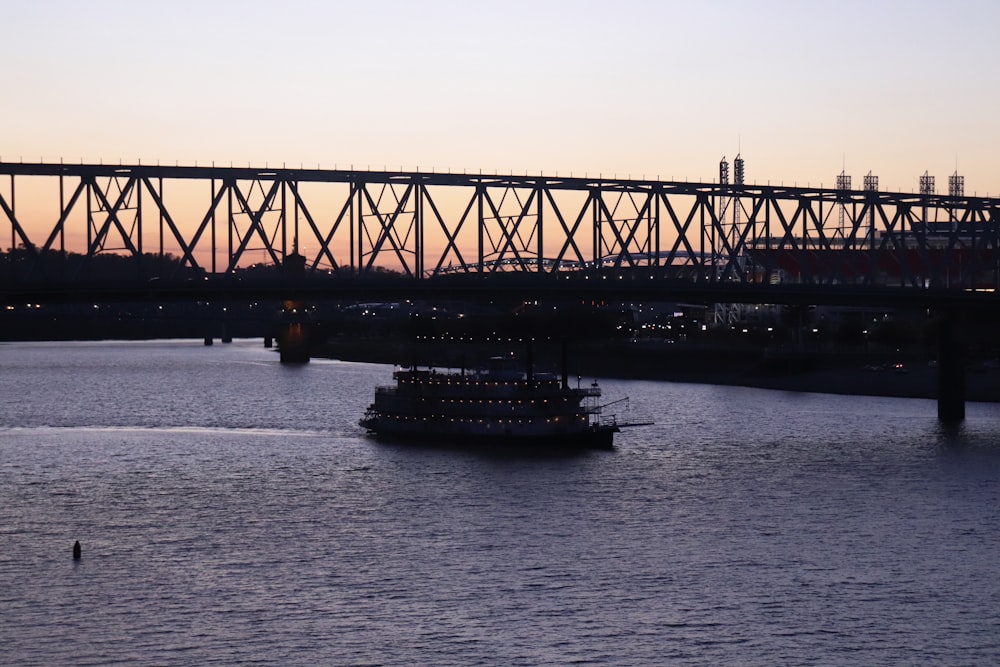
(643, 89)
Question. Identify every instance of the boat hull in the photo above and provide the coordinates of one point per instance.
(596, 437)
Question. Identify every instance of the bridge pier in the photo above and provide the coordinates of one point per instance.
(293, 335)
(951, 370)
(293, 328)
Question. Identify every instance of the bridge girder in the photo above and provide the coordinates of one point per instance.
(223, 219)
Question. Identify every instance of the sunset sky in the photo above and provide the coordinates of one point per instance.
(636, 87)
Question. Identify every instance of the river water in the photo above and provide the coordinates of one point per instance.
(230, 510)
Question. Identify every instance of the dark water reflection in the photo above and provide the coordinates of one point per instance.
(230, 510)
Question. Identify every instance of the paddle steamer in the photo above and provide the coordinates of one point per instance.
(497, 404)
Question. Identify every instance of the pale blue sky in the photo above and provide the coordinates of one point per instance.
(632, 87)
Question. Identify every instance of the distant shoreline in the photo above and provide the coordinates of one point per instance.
(815, 371)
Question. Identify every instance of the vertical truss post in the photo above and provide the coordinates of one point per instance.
(61, 226)
(283, 219)
(12, 266)
(360, 222)
(354, 244)
(418, 221)
(90, 217)
(212, 230)
(231, 221)
(13, 208)
(480, 226)
(707, 238)
(773, 272)
(140, 260)
(295, 218)
(539, 193)
(657, 193)
(595, 202)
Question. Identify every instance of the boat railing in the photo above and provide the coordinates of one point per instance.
(626, 421)
(592, 391)
(628, 418)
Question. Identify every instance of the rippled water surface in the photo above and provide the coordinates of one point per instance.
(230, 511)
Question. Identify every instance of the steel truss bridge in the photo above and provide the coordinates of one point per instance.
(61, 219)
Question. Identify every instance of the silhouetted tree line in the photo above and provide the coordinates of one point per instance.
(29, 264)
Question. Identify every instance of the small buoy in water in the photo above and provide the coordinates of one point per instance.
(76, 550)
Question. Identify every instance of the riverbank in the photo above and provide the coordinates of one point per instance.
(855, 373)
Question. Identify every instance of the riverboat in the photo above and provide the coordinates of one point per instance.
(497, 404)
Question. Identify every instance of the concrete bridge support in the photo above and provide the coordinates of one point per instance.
(293, 338)
(951, 370)
(293, 327)
(216, 323)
